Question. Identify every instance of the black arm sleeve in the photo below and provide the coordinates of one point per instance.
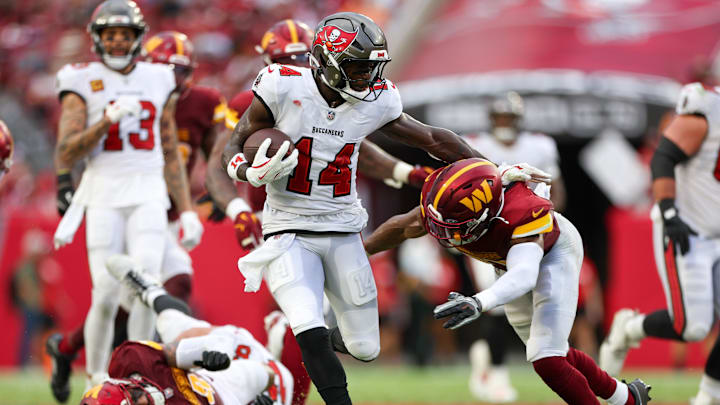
(666, 156)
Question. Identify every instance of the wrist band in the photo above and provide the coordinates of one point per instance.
(401, 172)
(233, 165)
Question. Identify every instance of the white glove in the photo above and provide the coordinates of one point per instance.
(192, 229)
(522, 172)
(123, 106)
(265, 170)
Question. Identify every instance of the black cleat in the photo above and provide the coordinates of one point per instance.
(640, 391)
(61, 368)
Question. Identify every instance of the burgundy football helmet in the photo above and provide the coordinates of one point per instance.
(175, 49)
(287, 43)
(6, 148)
(459, 201)
(115, 391)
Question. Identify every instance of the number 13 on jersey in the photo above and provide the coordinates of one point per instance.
(141, 138)
(337, 173)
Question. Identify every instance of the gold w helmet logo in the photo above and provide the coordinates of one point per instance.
(478, 197)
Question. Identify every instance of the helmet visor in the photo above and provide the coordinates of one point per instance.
(452, 232)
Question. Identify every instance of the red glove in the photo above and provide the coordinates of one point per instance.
(417, 176)
(248, 230)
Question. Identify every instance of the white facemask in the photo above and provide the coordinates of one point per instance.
(505, 134)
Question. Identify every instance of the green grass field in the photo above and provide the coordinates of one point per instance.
(380, 384)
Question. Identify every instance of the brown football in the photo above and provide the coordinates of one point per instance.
(252, 143)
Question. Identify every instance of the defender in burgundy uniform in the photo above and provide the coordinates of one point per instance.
(466, 206)
(198, 112)
(6, 149)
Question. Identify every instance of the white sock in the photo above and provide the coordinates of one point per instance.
(620, 396)
(171, 323)
(98, 334)
(710, 386)
(141, 322)
(634, 328)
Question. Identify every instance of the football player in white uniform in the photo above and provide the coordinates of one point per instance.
(686, 238)
(118, 114)
(506, 142)
(312, 217)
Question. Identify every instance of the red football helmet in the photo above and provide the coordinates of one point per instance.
(124, 392)
(175, 49)
(459, 201)
(6, 148)
(287, 42)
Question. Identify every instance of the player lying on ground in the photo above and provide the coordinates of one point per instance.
(253, 371)
(466, 206)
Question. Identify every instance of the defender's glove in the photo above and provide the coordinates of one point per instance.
(417, 176)
(674, 229)
(192, 229)
(123, 106)
(216, 214)
(248, 230)
(65, 192)
(460, 308)
(522, 172)
(265, 170)
(213, 360)
(263, 399)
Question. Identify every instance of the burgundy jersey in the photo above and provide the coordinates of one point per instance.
(524, 213)
(147, 359)
(254, 196)
(198, 110)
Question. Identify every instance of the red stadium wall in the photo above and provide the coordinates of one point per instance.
(217, 291)
(633, 282)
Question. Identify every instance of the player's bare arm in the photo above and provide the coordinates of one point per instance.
(170, 352)
(687, 132)
(395, 231)
(255, 118)
(439, 142)
(74, 140)
(175, 175)
(217, 182)
(375, 162)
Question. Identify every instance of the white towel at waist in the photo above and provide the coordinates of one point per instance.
(253, 265)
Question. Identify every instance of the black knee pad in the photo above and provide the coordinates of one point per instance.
(164, 302)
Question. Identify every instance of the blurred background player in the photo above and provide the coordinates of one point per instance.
(198, 112)
(118, 114)
(686, 239)
(6, 149)
(468, 206)
(505, 143)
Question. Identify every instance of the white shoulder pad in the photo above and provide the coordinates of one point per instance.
(694, 99)
(266, 86)
(393, 102)
(74, 78)
(164, 73)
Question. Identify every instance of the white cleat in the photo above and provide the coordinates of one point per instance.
(703, 398)
(479, 363)
(614, 348)
(499, 390)
(130, 272)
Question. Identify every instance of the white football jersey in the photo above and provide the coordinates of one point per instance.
(126, 167)
(538, 150)
(323, 183)
(248, 348)
(697, 184)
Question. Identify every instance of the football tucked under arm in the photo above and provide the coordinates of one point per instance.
(395, 231)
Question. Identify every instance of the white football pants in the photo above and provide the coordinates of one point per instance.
(544, 316)
(138, 231)
(337, 265)
(691, 282)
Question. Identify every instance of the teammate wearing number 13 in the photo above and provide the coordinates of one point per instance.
(312, 216)
(118, 114)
